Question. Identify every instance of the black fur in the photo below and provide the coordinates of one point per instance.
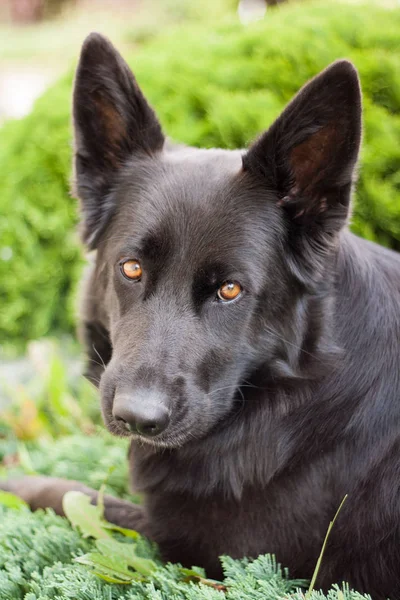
(282, 401)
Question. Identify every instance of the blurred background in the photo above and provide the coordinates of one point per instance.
(217, 72)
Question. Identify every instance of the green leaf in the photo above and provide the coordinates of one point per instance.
(11, 501)
(109, 567)
(109, 579)
(126, 553)
(117, 562)
(130, 533)
(193, 572)
(81, 513)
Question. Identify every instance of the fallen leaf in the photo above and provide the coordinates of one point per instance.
(127, 554)
(107, 567)
(117, 562)
(81, 513)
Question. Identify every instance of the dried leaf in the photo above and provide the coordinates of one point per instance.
(192, 576)
(319, 561)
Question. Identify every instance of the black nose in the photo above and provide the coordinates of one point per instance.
(142, 412)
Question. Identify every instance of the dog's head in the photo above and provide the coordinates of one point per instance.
(210, 265)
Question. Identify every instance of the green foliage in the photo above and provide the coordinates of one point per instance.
(28, 544)
(54, 401)
(39, 254)
(214, 85)
(11, 501)
(91, 459)
(37, 552)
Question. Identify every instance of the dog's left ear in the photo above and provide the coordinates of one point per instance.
(112, 123)
(308, 156)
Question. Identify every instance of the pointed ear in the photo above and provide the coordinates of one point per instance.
(112, 122)
(308, 156)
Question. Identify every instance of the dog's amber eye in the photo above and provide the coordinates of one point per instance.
(131, 269)
(229, 291)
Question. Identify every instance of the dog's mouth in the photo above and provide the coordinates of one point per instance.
(171, 439)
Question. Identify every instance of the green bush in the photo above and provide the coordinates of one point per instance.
(39, 253)
(211, 86)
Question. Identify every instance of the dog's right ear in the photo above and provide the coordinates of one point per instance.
(112, 122)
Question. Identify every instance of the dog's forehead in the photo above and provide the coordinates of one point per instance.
(194, 180)
(196, 197)
(197, 213)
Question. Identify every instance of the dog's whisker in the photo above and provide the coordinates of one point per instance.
(102, 364)
(221, 389)
(296, 346)
(96, 362)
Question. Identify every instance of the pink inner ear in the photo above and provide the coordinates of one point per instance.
(311, 159)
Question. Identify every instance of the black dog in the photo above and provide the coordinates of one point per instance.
(251, 342)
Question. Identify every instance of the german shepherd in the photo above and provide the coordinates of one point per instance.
(251, 343)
